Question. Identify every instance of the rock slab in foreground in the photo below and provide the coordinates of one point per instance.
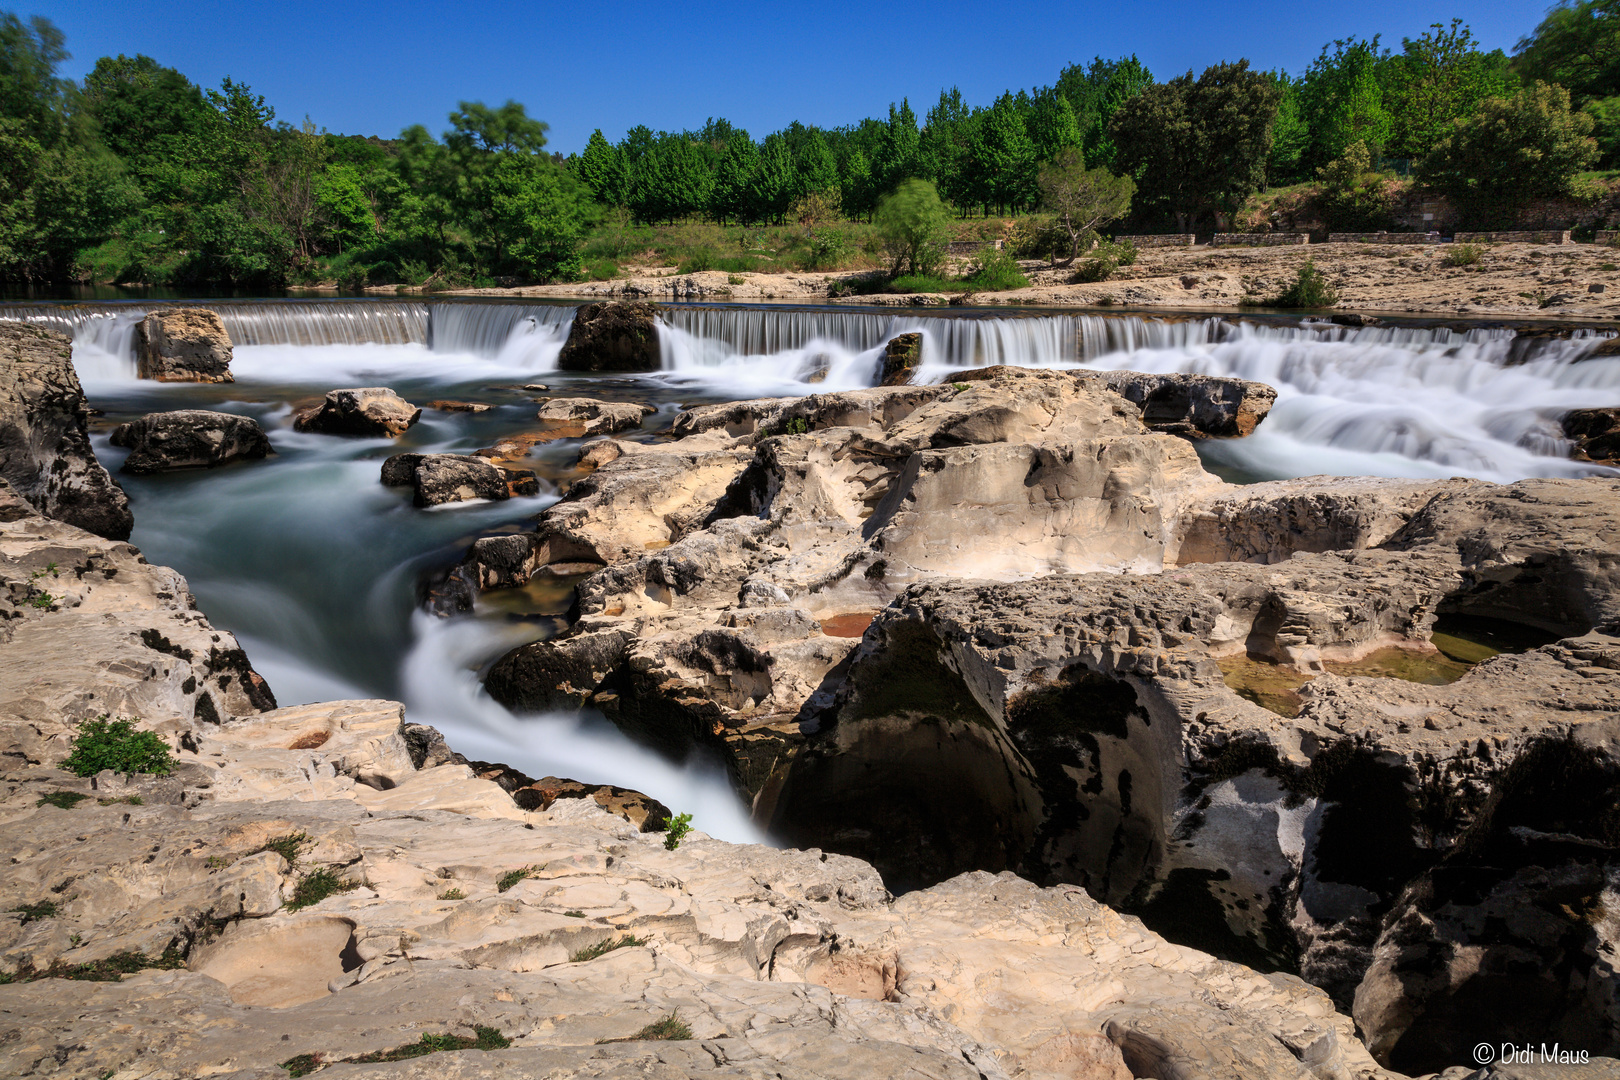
(620, 336)
(449, 478)
(45, 449)
(189, 439)
(581, 417)
(374, 411)
(183, 345)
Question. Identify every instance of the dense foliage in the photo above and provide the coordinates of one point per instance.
(138, 175)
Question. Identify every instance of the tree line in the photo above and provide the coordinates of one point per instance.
(137, 174)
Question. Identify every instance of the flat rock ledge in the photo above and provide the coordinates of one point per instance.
(458, 909)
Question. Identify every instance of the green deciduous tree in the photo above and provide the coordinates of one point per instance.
(1343, 100)
(1517, 148)
(1578, 46)
(913, 225)
(1198, 146)
(1083, 199)
(1436, 79)
(601, 167)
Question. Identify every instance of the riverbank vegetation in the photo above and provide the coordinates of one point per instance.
(137, 175)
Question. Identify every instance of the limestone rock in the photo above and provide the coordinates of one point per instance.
(183, 345)
(189, 439)
(374, 411)
(900, 359)
(448, 478)
(586, 417)
(459, 406)
(621, 336)
(45, 453)
(1199, 406)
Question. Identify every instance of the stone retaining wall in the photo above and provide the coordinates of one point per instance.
(1383, 238)
(1272, 239)
(1158, 240)
(1607, 236)
(971, 247)
(1537, 237)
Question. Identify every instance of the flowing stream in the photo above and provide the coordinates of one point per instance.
(315, 565)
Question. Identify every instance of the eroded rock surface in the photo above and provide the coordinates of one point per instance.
(618, 336)
(586, 417)
(456, 908)
(183, 345)
(374, 411)
(45, 452)
(189, 439)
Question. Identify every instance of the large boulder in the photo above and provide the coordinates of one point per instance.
(621, 336)
(183, 345)
(45, 452)
(448, 478)
(189, 439)
(581, 417)
(374, 411)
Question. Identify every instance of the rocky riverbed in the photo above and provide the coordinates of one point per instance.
(1055, 717)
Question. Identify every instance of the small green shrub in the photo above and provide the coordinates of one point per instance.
(675, 830)
(285, 846)
(1463, 255)
(1105, 300)
(574, 914)
(452, 894)
(925, 283)
(601, 269)
(128, 800)
(996, 270)
(45, 909)
(735, 279)
(512, 877)
(1107, 257)
(110, 969)
(316, 886)
(116, 745)
(829, 249)
(1311, 289)
(62, 800)
(602, 948)
(697, 261)
(1609, 267)
(43, 600)
(670, 1028)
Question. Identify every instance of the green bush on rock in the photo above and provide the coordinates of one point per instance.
(115, 744)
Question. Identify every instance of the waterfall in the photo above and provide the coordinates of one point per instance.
(519, 338)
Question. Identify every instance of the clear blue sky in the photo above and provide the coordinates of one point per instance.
(374, 68)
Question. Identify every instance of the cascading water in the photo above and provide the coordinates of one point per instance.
(314, 564)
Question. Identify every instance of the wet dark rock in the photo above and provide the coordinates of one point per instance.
(189, 439)
(620, 336)
(183, 345)
(1596, 433)
(45, 452)
(448, 478)
(900, 359)
(374, 411)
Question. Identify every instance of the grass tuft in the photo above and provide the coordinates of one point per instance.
(574, 914)
(288, 847)
(671, 1028)
(316, 886)
(1463, 255)
(602, 948)
(62, 800)
(486, 1038)
(128, 800)
(45, 909)
(452, 894)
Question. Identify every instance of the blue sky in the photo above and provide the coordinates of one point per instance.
(372, 69)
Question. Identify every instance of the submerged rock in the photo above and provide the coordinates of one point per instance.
(183, 345)
(189, 439)
(45, 452)
(616, 336)
(374, 411)
(449, 478)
